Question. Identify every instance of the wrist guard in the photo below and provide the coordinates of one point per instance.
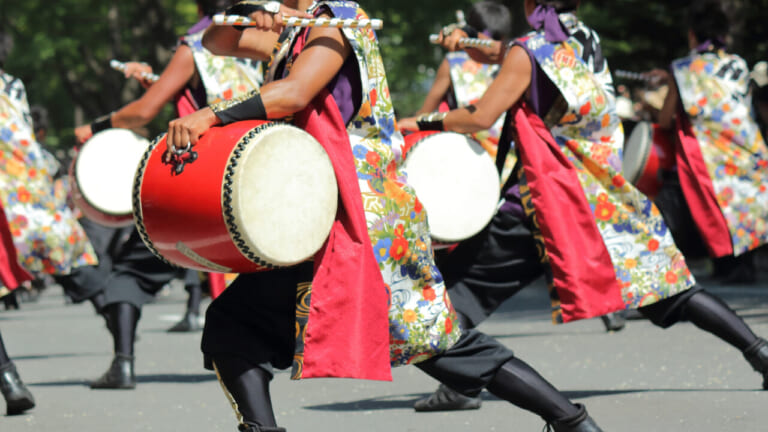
(247, 107)
(101, 123)
(431, 121)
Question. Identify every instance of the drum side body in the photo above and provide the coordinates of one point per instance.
(456, 180)
(640, 163)
(180, 216)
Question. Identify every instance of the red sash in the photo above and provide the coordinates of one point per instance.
(699, 191)
(581, 265)
(11, 272)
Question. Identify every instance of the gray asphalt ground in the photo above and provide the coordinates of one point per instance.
(639, 379)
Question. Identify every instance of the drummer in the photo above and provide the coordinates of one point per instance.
(253, 323)
(461, 81)
(722, 160)
(130, 275)
(569, 159)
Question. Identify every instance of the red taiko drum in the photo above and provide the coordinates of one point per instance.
(647, 152)
(249, 196)
(456, 181)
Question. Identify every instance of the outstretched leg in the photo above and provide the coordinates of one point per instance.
(122, 319)
(711, 314)
(17, 396)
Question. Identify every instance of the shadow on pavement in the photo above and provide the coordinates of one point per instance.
(140, 379)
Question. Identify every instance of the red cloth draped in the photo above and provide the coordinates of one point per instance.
(699, 191)
(581, 265)
(348, 328)
(185, 103)
(11, 272)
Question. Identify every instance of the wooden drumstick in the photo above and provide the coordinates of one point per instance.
(120, 66)
(375, 24)
(467, 42)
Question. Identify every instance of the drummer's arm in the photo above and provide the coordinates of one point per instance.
(668, 112)
(249, 43)
(440, 87)
(319, 62)
(510, 85)
(141, 111)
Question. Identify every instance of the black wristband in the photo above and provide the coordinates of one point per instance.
(101, 124)
(471, 32)
(431, 121)
(250, 107)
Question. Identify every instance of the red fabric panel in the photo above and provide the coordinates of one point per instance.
(699, 191)
(185, 103)
(581, 265)
(348, 329)
(11, 272)
(216, 283)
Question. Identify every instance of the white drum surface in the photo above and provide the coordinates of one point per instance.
(105, 168)
(456, 181)
(285, 195)
(636, 151)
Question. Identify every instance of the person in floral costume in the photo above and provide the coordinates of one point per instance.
(721, 155)
(129, 274)
(373, 298)
(611, 250)
(461, 81)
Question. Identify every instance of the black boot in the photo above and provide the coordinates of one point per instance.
(445, 399)
(190, 323)
(257, 428)
(613, 321)
(581, 422)
(120, 374)
(757, 356)
(17, 397)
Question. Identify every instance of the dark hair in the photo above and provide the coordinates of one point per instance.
(212, 7)
(492, 17)
(707, 20)
(39, 116)
(6, 46)
(560, 5)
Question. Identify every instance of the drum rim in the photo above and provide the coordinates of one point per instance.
(647, 154)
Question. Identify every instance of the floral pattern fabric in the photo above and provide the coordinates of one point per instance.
(647, 264)
(713, 90)
(469, 80)
(223, 77)
(422, 320)
(47, 236)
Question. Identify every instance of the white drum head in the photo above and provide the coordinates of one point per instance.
(284, 195)
(457, 181)
(636, 151)
(105, 168)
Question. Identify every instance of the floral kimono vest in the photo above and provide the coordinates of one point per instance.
(605, 241)
(223, 77)
(47, 236)
(422, 321)
(727, 169)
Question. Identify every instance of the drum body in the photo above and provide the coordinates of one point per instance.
(647, 153)
(456, 180)
(102, 176)
(259, 195)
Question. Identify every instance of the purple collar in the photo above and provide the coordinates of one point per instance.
(200, 26)
(711, 45)
(546, 17)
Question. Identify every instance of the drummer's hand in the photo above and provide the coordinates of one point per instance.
(408, 124)
(659, 76)
(138, 71)
(83, 133)
(451, 41)
(188, 129)
(274, 21)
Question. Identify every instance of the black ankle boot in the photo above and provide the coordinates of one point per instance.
(17, 396)
(120, 374)
(190, 323)
(580, 422)
(614, 321)
(757, 356)
(257, 428)
(445, 399)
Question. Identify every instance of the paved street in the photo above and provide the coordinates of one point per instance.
(640, 379)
